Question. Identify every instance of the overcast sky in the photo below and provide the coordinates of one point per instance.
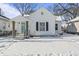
(10, 11)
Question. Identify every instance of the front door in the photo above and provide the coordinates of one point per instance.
(24, 27)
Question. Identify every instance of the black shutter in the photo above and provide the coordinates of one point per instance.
(46, 26)
(56, 26)
(36, 26)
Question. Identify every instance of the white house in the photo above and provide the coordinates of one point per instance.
(4, 23)
(73, 25)
(20, 23)
(40, 23)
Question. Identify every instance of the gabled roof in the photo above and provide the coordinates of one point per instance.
(42, 9)
(4, 18)
(59, 18)
(20, 18)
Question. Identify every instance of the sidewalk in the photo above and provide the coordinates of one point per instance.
(64, 37)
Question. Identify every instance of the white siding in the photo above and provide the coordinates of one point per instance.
(38, 17)
(59, 27)
(3, 24)
(18, 20)
(46, 17)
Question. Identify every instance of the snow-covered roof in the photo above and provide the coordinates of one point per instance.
(3, 18)
(59, 18)
(75, 19)
(20, 18)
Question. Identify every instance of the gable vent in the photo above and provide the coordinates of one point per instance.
(42, 13)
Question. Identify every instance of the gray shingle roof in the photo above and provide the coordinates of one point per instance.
(4, 18)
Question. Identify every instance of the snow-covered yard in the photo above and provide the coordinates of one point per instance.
(55, 48)
(66, 45)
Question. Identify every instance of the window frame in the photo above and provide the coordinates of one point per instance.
(42, 27)
(46, 26)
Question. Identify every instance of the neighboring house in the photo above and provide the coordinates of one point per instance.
(73, 26)
(4, 23)
(39, 23)
(64, 26)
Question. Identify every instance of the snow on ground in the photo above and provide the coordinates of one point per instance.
(66, 45)
(55, 48)
(4, 46)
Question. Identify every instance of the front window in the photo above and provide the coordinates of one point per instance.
(8, 25)
(4, 27)
(41, 26)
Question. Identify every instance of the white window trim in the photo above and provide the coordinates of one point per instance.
(39, 26)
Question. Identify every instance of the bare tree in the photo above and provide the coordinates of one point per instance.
(67, 10)
(70, 10)
(24, 8)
